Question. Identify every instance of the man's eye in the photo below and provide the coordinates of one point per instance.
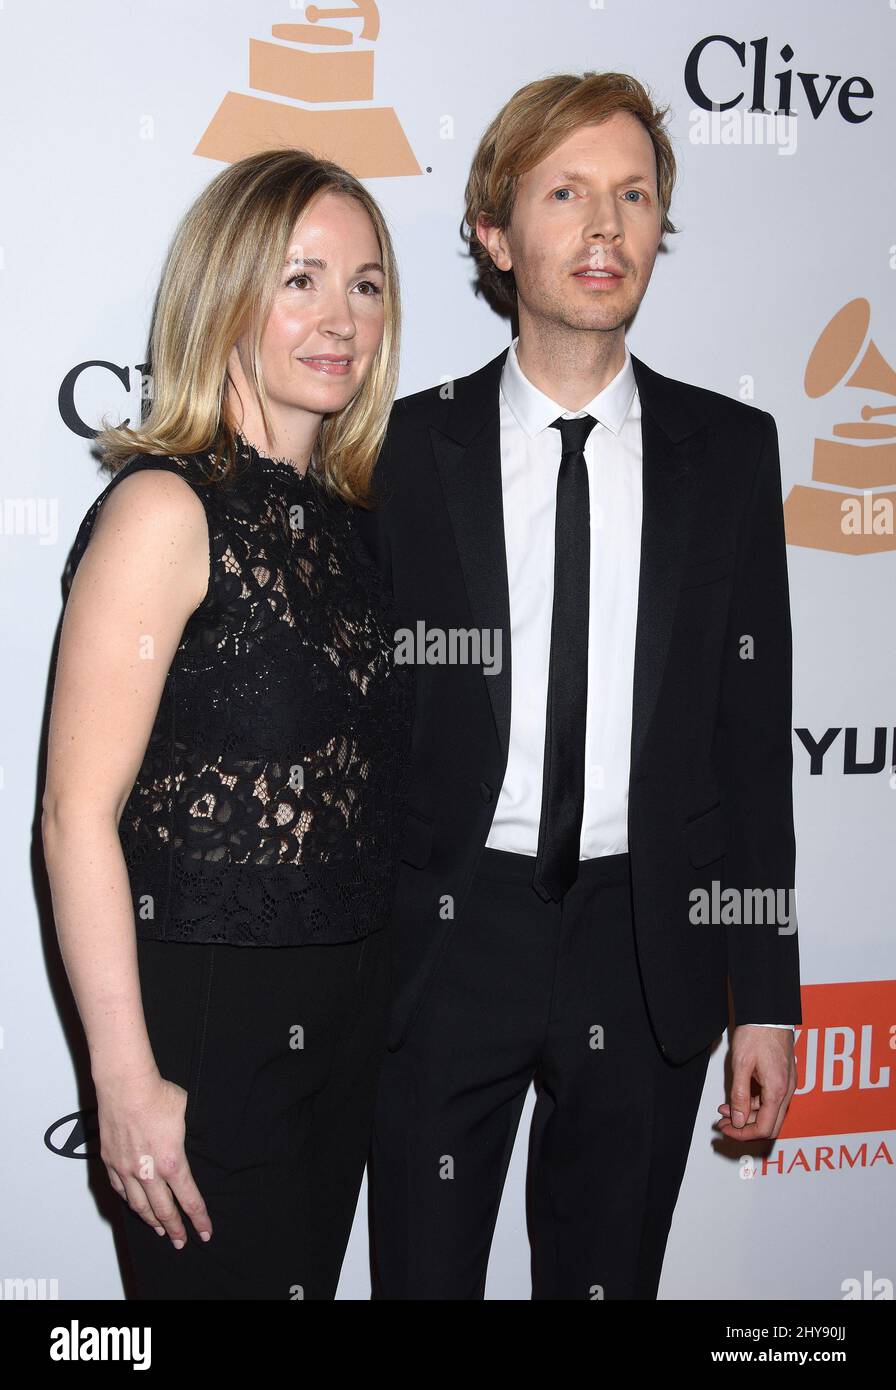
(563, 190)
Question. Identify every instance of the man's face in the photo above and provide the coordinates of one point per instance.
(590, 205)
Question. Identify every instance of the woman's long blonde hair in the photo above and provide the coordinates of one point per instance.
(218, 284)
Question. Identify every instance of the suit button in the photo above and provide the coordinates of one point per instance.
(486, 792)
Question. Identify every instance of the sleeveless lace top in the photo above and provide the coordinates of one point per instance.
(270, 797)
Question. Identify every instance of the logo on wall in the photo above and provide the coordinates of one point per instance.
(848, 760)
(75, 1136)
(366, 139)
(853, 512)
(846, 1062)
(850, 90)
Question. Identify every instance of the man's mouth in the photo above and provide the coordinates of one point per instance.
(597, 279)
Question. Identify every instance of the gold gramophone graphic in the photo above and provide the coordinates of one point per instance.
(368, 140)
(861, 458)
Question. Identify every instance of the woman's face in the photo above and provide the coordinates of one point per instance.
(329, 304)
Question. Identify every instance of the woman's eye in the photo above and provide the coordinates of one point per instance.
(563, 190)
(302, 275)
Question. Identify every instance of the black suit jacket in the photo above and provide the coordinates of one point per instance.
(711, 760)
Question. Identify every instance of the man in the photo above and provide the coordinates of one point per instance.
(582, 805)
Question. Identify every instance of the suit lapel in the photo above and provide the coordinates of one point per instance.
(673, 443)
(468, 457)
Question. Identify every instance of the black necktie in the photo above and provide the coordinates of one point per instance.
(563, 791)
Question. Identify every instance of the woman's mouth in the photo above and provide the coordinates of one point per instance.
(330, 366)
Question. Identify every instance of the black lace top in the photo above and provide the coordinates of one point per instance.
(268, 804)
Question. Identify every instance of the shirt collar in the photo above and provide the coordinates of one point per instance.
(534, 411)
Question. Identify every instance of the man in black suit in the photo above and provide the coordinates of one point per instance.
(589, 569)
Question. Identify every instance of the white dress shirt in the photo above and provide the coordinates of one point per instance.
(530, 463)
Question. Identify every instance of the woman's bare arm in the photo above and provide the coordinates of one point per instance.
(143, 573)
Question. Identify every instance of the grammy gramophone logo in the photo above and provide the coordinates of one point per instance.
(330, 70)
(853, 509)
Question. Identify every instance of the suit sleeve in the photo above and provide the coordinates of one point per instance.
(757, 755)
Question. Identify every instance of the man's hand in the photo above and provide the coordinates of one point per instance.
(763, 1055)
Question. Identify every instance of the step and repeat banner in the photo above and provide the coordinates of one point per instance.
(778, 290)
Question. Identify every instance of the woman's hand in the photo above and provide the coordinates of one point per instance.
(142, 1145)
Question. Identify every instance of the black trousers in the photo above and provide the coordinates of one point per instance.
(279, 1050)
(528, 990)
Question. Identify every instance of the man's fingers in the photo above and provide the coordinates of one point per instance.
(726, 1125)
(776, 1086)
(740, 1094)
(769, 1110)
(784, 1106)
(726, 1108)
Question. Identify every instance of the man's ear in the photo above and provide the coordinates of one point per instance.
(494, 241)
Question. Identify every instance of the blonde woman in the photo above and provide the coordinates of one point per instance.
(227, 744)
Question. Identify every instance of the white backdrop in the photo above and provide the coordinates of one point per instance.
(103, 106)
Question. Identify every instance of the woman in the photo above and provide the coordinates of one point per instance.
(227, 744)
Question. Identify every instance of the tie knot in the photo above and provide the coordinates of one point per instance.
(573, 433)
